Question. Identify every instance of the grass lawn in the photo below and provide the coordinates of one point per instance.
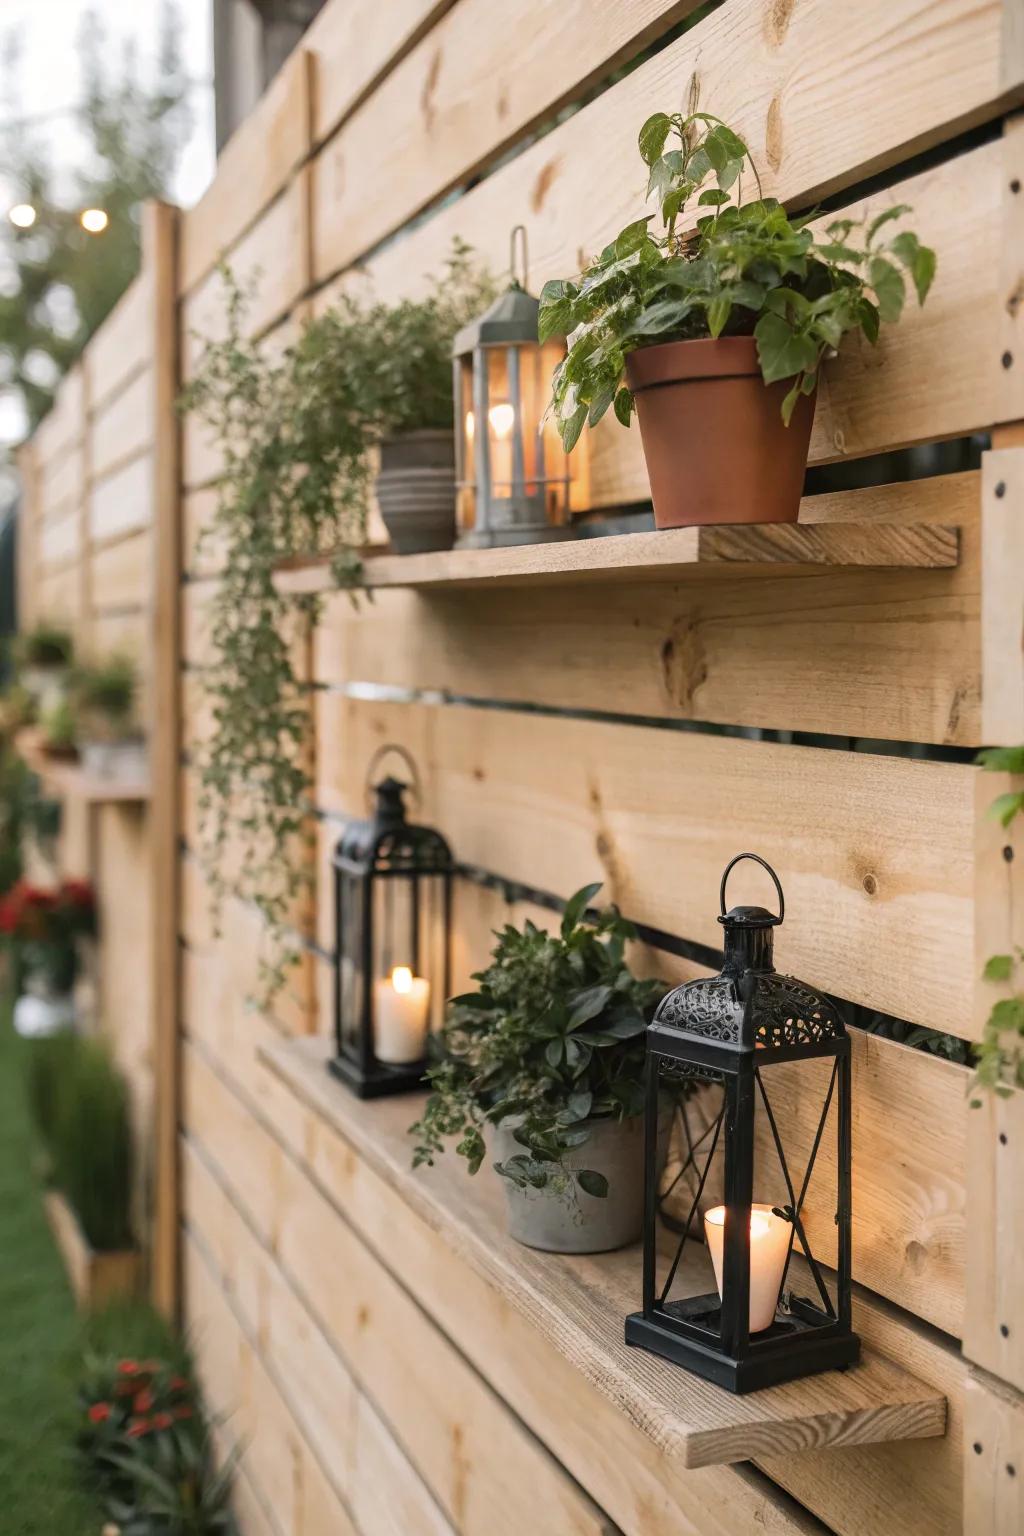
(39, 1331)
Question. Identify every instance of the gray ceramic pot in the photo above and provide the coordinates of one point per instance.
(542, 1218)
(416, 491)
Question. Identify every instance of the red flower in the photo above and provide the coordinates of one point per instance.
(78, 892)
(162, 1421)
(143, 1402)
(99, 1413)
(179, 1384)
(139, 1427)
(184, 1412)
(127, 1367)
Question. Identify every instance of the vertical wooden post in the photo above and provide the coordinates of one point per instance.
(160, 231)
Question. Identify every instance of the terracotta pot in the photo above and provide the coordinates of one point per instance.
(416, 491)
(716, 447)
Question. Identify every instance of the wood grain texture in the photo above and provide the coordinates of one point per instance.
(998, 893)
(125, 426)
(659, 556)
(64, 423)
(355, 44)
(253, 166)
(1002, 621)
(580, 1303)
(993, 1334)
(329, 1345)
(769, 73)
(123, 344)
(993, 1458)
(875, 853)
(123, 500)
(121, 574)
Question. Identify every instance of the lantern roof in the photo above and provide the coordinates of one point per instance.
(511, 318)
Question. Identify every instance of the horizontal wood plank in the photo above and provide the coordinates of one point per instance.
(810, 127)
(123, 500)
(60, 538)
(125, 427)
(121, 347)
(875, 853)
(64, 423)
(121, 574)
(253, 166)
(354, 45)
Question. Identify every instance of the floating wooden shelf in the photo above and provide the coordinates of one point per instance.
(770, 548)
(580, 1304)
(64, 777)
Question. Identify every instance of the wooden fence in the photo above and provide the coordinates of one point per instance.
(394, 1362)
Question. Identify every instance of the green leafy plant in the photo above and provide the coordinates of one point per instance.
(104, 697)
(295, 434)
(79, 1102)
(60, 729)
(146, 1447)
(737, 269)
(45, 646)
(1000, 1058)
(553, 1039)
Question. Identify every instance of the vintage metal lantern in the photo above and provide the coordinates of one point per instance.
(759, 1042)
(392, 885)
(511, 471)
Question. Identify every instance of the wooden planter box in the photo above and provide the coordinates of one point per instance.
(95, 1278)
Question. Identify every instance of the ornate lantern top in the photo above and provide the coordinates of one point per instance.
(748, 1006)
(387, 841)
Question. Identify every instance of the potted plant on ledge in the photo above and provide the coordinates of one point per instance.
(547, 1059)
(110, 744)
(43, 656)
(716, 328)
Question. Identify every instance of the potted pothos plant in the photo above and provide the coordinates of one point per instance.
(110, 742)
(714, 325)
(546, 1059)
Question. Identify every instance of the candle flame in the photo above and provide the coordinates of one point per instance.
(759, 1222)
(401, 978)
(502, 418)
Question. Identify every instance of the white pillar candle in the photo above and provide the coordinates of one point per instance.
(401, 1009)
(769, 1245)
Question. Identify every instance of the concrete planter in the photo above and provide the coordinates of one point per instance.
(95, 1278)
(416, 491)
(120, 761)
(582, 1223)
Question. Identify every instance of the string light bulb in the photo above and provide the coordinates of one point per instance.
(22, 215)
(94, 220)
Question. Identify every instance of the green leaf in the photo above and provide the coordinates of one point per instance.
(587, 1005)
(998, 968)
(714, 197)
(653, 136)
(923, 271)
(890, 289)
(1002, 759)
(554, 1051)
(718, 313)
(624, 405)
(1005, 807)
(593, 1183)
(577, 1107)
(789, 403)
(600, 403)
(895, 212)
(673, 202)
(632, 237)
(869, 318)
(781, 351)
(571, 428)
(556, 309)
(577, 905)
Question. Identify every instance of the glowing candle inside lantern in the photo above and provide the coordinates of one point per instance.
(501, 419)
(402, 1006)
(769, 1245)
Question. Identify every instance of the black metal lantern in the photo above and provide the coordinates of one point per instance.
(512, 473)
(392, 892)
(735, 1031)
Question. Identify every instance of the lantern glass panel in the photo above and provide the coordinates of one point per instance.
(409, 931)
(352, 1000)
(465, 430)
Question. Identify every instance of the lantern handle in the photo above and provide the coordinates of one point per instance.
(764, 865)
(407, 758)
(520, 231)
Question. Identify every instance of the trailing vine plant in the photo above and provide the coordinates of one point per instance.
(999, 1065)
(295, 433)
